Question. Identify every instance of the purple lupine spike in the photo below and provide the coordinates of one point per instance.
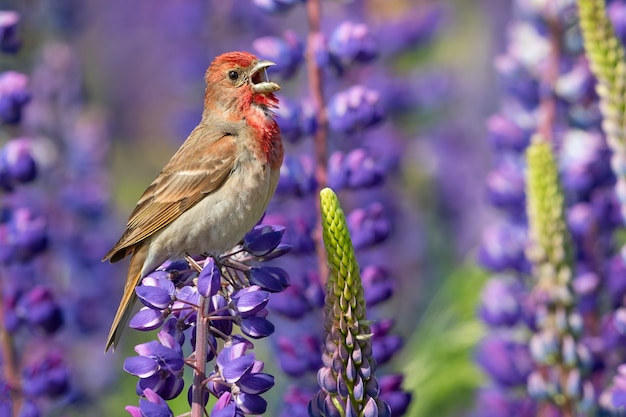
(14, 95)
(9, 42)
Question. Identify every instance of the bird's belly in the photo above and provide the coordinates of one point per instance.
(220, 220)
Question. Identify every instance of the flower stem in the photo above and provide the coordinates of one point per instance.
(320, 141)
(9, 362)
(199, 374)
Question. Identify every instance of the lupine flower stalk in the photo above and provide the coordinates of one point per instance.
(606, 58)
(559, 377)
(347, 380)
(202, 299)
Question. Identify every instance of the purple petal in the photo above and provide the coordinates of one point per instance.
(251, 302)
(224, 407)
(251, 403)
(263, 239)
(141, 366)
(154, 297)
(133, 410)
(210, 279)
(256, 383)
(146, 319)
(150, 409)
(272, 279)
(236, 368)
(257, 327)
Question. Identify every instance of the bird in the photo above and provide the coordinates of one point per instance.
(218, 184)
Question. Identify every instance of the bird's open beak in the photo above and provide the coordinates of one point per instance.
(258, 78)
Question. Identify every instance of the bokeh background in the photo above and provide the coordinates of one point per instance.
(118, 84)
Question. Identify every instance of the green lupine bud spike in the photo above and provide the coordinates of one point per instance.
(546, 217)
(348, 331)
(606, 58)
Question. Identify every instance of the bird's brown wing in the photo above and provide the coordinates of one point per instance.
(189, 176)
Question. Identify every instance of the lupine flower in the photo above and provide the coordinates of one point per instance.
(287, 53)
(150, 406)
(347, 380)
(9, 42)
(14, 95)
(351, 43)
(355, 109)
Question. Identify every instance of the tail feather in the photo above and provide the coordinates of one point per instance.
(124, 311)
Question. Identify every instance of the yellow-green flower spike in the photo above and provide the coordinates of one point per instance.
(554, 345)
(550, 249)
(347, 381)
(606, 59)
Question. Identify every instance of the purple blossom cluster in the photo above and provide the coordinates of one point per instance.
(534, 333)
(199, 303)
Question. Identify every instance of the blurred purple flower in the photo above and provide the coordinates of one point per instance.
(287, 52)
(356, 169)
(355, 109)
(14, 95)
(501, 300)
(368, 226)
(9, 42)
(351, 43)
(46, 377)
(276, 6)
(506, 361)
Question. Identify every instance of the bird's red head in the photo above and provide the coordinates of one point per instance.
(236, 80)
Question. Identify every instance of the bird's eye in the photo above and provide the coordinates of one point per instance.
(233, 75)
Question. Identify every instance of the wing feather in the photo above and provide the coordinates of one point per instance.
(185, 180)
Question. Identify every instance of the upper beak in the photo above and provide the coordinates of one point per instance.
(259, 80)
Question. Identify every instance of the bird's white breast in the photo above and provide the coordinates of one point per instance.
(221, 219)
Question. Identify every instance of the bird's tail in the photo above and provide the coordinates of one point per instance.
(124, 311)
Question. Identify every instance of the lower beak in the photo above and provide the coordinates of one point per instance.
(259, 80)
